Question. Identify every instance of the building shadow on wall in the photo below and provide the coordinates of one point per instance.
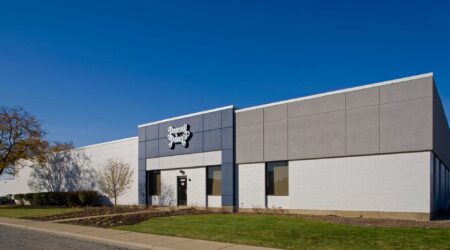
(63, 171)
(166, 198)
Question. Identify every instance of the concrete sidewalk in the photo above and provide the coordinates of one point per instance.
(121, 238)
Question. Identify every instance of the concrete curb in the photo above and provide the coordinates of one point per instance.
(120, 238)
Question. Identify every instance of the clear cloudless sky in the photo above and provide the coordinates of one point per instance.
(93, 70)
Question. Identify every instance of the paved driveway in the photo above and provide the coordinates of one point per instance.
(18, 239)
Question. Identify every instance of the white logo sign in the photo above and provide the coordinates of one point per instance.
(178, 135)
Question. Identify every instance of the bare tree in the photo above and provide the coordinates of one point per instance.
(166, 197)
(114, 178)
(64, 169)
(21, 139)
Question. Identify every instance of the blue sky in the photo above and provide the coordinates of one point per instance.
(92, 71)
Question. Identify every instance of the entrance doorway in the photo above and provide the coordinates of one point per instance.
(181, 188)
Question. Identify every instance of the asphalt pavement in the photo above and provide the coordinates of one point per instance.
(18, 239)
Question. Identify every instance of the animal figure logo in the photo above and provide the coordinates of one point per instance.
(178, 135)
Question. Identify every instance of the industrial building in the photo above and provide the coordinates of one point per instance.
(378, 150)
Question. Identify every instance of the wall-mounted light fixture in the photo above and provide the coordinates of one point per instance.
(182, 172)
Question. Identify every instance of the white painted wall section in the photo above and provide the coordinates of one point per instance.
(390, 183)
(18, 185)
(196, 186)
(125, 150)
(214, 201)
(278, 202)
(122, 150)
(252, 190)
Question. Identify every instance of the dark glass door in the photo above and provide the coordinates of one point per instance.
(181, 188)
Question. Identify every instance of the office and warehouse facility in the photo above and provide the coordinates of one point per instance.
(379, 150)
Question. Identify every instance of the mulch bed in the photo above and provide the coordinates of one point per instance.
(368, 222)
(130, 219)
(93, 211)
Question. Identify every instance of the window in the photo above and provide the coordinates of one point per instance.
(155, 183)
(214, 181)
(277, 178)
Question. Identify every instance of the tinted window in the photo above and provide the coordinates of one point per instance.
(214, 182)
(155, 182)
(277, 178)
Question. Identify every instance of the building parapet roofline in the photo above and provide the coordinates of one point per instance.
(338, 91)
(108, 142)
(294, 99)
(185, 116)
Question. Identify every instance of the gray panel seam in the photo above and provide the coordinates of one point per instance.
(274, 120)
(345, 124)
(342, 156)
(297, 116)
(249, 123)
(157, 147)
(313, 114)
(379, 100)
(364, 106)
(379, 120)
(208, 130)
(263, 142)
(203, 139)
(434, 106)
(409, 99)
(145, 149)
(287, 136)
(221, 122)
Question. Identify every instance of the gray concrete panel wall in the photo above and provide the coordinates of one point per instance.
(141, 182)
(275, 140)
(250, 117)
(318, 105)
(362, 130)
(441, 133)
(362, 98)
(210, 131)
(227, 138)
(406, 126)
(250, 143)
(408, 90)
(151, 132)
(275, 113)
(392, 118)
(316, 136)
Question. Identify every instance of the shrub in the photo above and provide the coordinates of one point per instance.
(72, 199)
(29, 198)
(39, 199)
(6, 200)
(80, 198)
(54, 198)
(88, 198)
(20, 198)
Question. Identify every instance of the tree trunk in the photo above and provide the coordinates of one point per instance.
(115, 200)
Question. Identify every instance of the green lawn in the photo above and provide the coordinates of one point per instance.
(292, 232)
(25, 211)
